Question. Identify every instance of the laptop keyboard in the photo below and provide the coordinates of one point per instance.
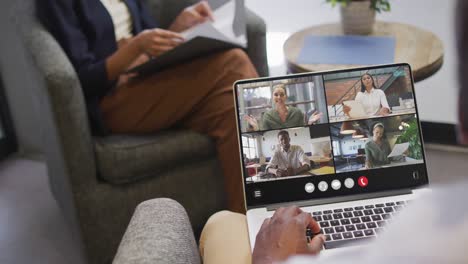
(354, 224)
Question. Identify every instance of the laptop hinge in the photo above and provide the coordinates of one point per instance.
(349, 198)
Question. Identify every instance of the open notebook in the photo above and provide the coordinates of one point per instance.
(228, 30)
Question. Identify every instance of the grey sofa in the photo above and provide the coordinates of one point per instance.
(98, 181)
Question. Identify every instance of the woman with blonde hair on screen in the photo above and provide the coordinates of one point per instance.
(378, 148)
(281, 115)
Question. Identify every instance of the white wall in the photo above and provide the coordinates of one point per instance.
(436, 95)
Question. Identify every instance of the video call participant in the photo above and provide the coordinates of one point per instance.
(101, 53)
(289, 160)
(372, 99)
(281, 115)
(378, 149)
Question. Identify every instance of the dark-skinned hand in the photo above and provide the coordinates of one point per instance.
(283, 235)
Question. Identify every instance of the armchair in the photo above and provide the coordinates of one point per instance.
(98, 181)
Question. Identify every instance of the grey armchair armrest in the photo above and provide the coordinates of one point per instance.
(159, 232)
(256, 38)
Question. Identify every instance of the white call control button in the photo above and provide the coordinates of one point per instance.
(323, 186)
(309, 187)
(336, 185)
(349, 183)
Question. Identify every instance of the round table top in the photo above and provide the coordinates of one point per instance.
(421, 49)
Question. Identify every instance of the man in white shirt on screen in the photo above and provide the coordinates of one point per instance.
(289, 160)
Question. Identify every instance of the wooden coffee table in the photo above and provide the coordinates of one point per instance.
(421, 49)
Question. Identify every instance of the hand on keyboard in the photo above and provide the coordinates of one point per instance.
(353, 225)
(283, 235)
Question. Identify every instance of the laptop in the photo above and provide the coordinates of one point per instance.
(352, 201)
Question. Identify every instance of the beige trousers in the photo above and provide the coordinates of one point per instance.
(196, 95)
(225, 239)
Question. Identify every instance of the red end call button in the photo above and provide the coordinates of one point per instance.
(363, 181)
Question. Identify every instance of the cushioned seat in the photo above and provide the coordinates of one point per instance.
(126, 159)
(98, 182)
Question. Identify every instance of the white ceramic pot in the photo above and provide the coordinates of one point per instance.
(357, 18)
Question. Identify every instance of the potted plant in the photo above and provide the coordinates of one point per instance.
(358, 16)
(411, 135)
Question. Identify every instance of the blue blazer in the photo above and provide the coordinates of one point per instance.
(85, 31)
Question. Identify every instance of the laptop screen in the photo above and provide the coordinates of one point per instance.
(321, 135)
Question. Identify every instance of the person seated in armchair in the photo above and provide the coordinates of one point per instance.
(104, 38)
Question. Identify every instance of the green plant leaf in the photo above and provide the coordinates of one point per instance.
(386, 6)
(377, 5)
(411, 135)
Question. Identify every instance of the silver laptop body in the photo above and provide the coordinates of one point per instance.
(352, 174)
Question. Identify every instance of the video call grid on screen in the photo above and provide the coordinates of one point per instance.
(330, 123)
